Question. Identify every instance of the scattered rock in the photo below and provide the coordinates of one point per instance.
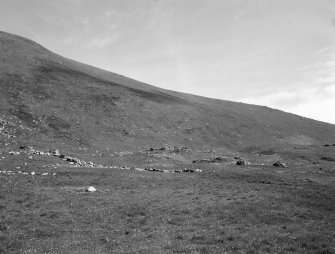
(14, 153)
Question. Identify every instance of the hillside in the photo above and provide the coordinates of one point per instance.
(165, 166)
(73, 104)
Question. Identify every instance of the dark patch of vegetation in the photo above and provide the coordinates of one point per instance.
(158, 97)
(57, 123)
(22, 113)
(267, 152)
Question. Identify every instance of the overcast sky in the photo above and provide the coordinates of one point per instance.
(279, 53)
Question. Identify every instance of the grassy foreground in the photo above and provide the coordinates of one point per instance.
(227, 209)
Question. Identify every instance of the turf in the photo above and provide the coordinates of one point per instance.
(227, 209)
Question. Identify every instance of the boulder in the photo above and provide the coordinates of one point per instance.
(240, 162)
(279, 164)
(56, 152)
(91, 189)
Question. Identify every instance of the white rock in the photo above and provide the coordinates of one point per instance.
(33, 173)
(91, 189)
(44, 174)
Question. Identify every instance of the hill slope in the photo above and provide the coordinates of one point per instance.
(50, 101)
(150, 199)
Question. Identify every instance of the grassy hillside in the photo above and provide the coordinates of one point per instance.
(163, 164)
(72, 104)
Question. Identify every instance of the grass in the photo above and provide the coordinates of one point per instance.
(147, 212)
(50, 102)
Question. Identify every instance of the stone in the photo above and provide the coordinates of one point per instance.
(279, 164)
(91, 189)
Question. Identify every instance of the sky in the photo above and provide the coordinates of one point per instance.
(278, 53)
